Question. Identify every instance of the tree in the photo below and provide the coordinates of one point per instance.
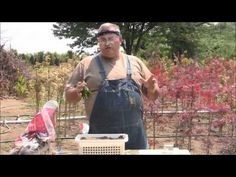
(40, 56)
(217, 40)
(171, 40)
(32, 60)
(182, 37)
(57, 62)
(84, 34)
(70, 54)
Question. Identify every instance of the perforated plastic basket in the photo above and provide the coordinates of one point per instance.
(101, 144)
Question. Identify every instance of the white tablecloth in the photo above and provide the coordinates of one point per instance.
(174, 151)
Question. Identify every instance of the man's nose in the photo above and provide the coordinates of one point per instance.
(108, 42)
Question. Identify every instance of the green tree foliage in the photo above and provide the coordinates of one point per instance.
(195, 40)
(182, 38)
(84, 34)
(168, 38)
(26, 57)
(57, 62)
(154, 46)
(40, 57)
(171, 40)
(23, 56)
(70, 54)
(217, 40)
(32, 60)
(133, 34)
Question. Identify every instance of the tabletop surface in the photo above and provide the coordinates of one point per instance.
(174, 151)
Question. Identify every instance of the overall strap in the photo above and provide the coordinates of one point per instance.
(102, 70)
(128, 67)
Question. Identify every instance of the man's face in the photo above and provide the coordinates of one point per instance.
(109, 44)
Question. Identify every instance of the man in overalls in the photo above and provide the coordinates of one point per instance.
(117, 82)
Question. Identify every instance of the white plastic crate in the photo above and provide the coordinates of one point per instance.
(101, 144)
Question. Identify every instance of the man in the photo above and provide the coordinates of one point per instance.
(117, 82)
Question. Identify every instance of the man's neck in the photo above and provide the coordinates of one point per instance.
(118, 56)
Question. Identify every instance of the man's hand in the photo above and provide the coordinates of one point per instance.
(80, 86)
(150, 82)
(74, 94)
(152, 87)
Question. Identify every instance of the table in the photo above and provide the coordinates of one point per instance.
(174, 151)
(164, 151)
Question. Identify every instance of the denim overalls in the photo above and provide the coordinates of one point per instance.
(118, 108)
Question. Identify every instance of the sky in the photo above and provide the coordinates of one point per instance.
(32, 37)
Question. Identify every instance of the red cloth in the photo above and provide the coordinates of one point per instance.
(37, 123)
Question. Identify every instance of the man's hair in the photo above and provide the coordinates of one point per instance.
(104, 29)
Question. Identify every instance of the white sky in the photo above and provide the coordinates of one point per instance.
(32, 37)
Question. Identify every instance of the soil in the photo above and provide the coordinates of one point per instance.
(14, 107)
(11, 109)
